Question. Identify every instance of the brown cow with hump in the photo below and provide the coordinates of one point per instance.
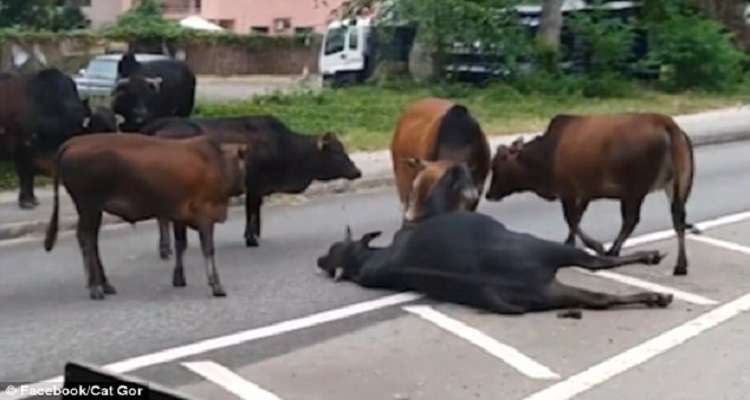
(434, 129)
(137, 178)
(581, 158)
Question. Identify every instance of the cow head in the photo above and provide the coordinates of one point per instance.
(136, 98)
(331, 160)
(439, 187)
(521, 167)
(345, 258)
(507, 173)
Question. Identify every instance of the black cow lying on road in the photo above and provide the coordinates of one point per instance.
(281, 160)
(470, 258)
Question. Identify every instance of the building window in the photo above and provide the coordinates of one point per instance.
(282, 24)
(263, 30)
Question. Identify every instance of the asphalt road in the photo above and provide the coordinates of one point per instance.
(388, 353)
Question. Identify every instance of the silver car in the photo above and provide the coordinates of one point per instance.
(99, 76)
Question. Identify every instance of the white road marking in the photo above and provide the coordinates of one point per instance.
(643, 352)
(229, 381)
(508, 354)
(663, 235)
(220, 342)
(629, 280)
(315, 319)
(721, 243)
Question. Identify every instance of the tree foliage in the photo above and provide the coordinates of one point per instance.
(53, 15)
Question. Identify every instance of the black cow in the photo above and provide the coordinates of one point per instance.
(470, 258)
(281, 160)
(152, 90)
(38, 112)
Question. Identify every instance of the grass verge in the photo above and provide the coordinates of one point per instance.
(365, 116)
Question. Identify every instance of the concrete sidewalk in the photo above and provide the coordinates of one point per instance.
(707, 128)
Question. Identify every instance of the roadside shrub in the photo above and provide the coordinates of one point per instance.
(695, 52)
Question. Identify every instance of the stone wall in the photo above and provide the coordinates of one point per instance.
(70, 54)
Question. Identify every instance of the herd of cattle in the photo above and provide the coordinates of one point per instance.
(145, 157)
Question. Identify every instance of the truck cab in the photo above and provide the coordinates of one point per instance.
(345, 54)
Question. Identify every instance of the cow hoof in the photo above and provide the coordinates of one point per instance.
(218, 291)
(251, 241)
(28, 204)
(96, 293)
(609, 253)
(109, 289)
(164, 253)
(178, 280)
(660, 300)
(679, 271)
(652, 257)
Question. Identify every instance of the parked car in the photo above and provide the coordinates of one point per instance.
(99, 76)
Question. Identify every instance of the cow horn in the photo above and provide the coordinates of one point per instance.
(121, 81)
(337, 274)
(155, 81)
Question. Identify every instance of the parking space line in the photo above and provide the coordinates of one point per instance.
(506, 353)
(629, 280)
(229, 381)
(643, 352)
(724, 244)
(233, 339)
(667, 234)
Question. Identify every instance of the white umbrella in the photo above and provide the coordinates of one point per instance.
(196, 22)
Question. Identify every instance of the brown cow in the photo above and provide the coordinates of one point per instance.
(137, 178)
(434, 129)
(622, 156)
(438, 187)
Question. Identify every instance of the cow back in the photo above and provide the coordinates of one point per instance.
(432, 129)
(604, 155)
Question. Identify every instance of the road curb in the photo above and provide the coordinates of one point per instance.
(379, 179)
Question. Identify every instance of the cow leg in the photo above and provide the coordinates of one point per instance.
(677, 208)
(180, 244)
(558, 295)
(253, 202)
(596, 262)
(25, 172)
(206, 232)
(630, 209)
(86, 235)
(106, 286)
(165, 248)
(493, 302)
(573, 210)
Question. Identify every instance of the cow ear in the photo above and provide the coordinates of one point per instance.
(325, 140)
(368, 237)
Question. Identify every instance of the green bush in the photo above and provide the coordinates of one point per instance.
(694, 51)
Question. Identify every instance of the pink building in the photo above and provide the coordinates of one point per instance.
(274, 17)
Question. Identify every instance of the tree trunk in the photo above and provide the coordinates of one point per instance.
(550, 23)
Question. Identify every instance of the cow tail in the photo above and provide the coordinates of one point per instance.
(683, 163)
(54, 222)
